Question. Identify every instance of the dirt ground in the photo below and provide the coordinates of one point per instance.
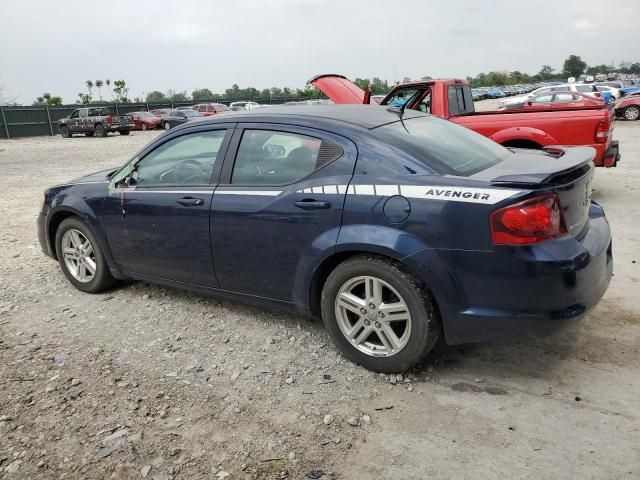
(144, 381)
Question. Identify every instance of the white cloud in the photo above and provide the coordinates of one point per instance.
(584, 24)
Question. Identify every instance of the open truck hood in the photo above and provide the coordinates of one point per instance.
(338, 88)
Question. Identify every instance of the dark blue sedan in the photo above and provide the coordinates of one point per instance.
(394, 226)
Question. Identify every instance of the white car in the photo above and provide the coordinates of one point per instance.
(612, 90)
(244, 105)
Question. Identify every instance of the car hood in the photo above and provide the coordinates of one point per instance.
(338, 88)
(97, 177)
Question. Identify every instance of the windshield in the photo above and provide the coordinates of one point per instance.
(191, 113)
(222, 108)
(146, 115)
(443, 145)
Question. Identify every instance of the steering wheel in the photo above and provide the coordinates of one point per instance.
(190, 171)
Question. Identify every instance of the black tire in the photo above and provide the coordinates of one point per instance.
(102, 278)
(100, 131)
(144, 127)
(123, 132)
(88, 134)
(632, 112)
(425, 321)
(65, 132)
(167, 125)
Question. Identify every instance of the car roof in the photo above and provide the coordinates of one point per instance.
(365, 116)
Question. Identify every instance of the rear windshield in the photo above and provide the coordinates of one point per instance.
(444, 145)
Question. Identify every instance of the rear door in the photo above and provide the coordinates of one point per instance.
(159, 225)
(279, 204)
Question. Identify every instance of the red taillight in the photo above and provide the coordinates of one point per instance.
(528, 222)
(602, 132)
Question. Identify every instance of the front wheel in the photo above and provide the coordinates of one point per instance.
(632, 112)
(80, 257)
(144, 127)
(379, 315)
(65, 132)
(167, 125)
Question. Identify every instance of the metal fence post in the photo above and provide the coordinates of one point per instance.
(4, 120)
(147, 104)
(117, 109)
(49, 119)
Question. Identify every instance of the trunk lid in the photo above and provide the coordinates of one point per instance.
(565, 171)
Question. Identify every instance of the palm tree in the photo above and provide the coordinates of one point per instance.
(108, 84)
(89, 85)
(99, 84)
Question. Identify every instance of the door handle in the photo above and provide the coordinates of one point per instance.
(191, 202)
(311, 204)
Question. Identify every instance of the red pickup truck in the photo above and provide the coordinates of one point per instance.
(451, 99)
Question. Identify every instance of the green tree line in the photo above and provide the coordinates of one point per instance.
(118, 91)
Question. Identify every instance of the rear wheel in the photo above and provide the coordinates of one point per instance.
(379, 315)
(80, 257)
(100, 131)
(632, 112)
(123, 132)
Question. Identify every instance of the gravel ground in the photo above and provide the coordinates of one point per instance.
(144, 381)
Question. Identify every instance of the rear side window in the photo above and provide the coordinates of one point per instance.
(460, 100)
(269, 157)
(584, 88)
(443, 145)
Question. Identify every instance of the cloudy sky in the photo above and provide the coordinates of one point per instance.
(52, 46)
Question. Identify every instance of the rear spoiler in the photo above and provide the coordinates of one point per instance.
(572, 160)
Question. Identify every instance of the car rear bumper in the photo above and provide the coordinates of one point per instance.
(520, 291)
(120, 126)
(607, 155)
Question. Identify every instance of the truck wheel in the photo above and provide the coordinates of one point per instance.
(379, 315)
(632, 112)
(100, 131)
(64, 131)
(167, 125)
(123, 132)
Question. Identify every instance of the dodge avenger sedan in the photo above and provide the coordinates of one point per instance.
(395, 227)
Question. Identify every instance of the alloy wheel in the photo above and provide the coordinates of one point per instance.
(632, 113)
(79, 256)
(373, 316)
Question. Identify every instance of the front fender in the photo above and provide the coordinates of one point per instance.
(65, 204)
(524, 133)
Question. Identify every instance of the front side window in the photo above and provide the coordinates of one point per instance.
(74, 114)
(186, 160)
(584, 88)
(269, 157)
(443, 145)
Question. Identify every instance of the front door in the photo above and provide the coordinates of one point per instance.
(279, 204)
(158, 225)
